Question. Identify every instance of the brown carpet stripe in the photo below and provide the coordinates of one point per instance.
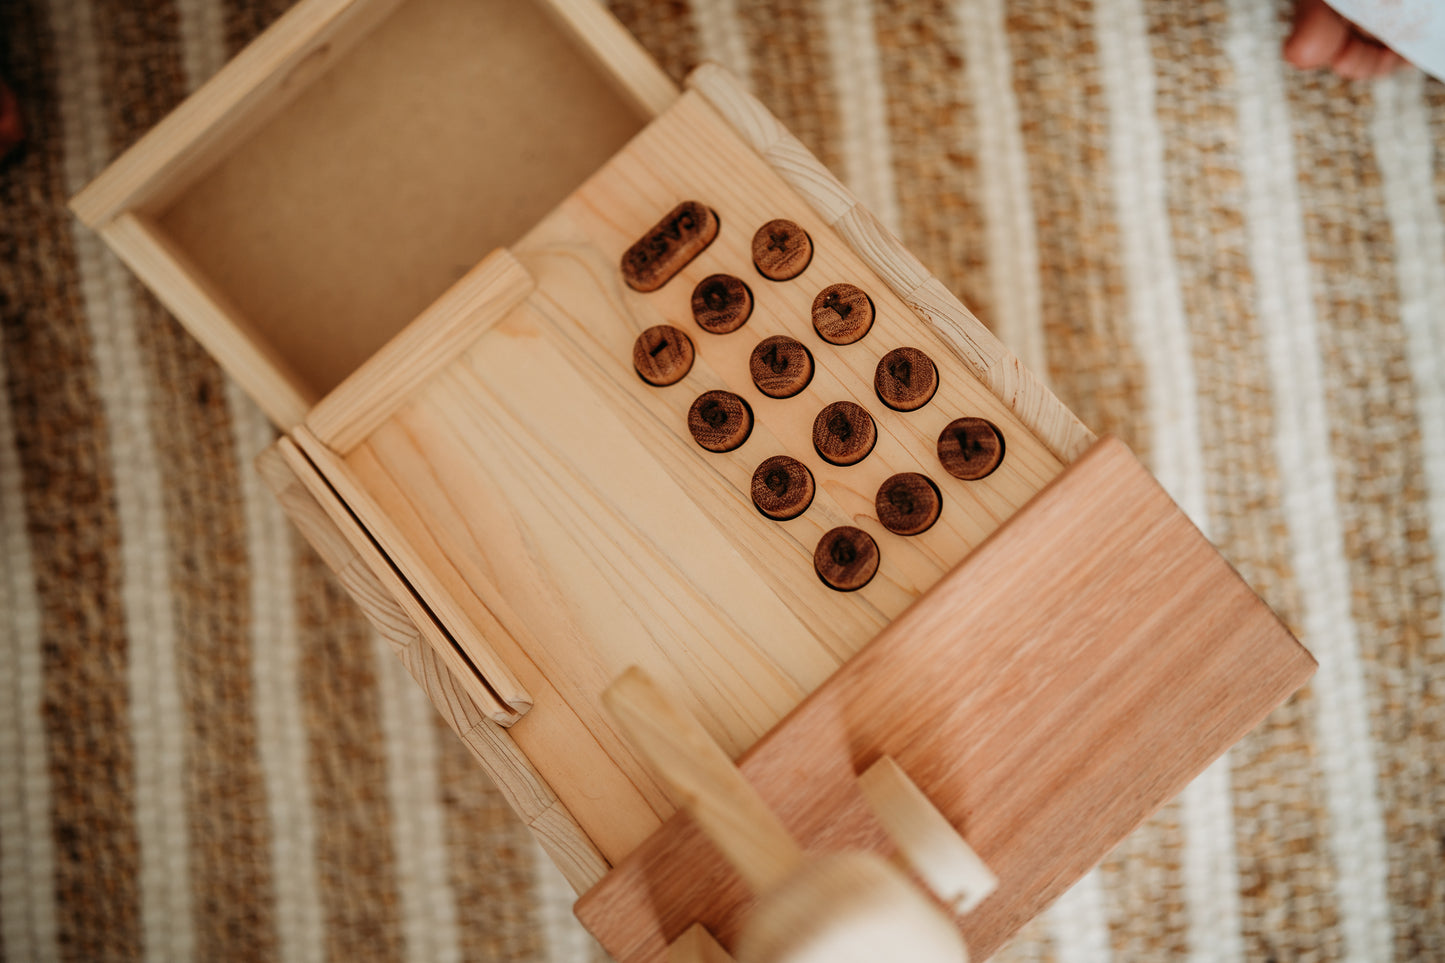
(489, 857)
(665, 29)
(1382, 501)
(1144, 871)
(1031, 945)
(1196, 98)
(355, 859)
(73, 531)
(225, 798)
(932, 126)
(792, 73)
(1092, 363)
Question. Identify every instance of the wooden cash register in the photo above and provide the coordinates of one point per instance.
(609, 404)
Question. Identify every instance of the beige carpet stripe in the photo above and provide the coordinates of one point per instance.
(566, 940)
(792, 71)
(1010, 302)
(355, 845)
(1379, 464)
(1092, 362)
(229, 838)
(428, 906)
(276, 697)
(865, 153)
(721, 37)
(1286, 308)
(1144, 870)
(27, 855)
(489, 858)
(1413, 737)
(156, 715)
(929, 113)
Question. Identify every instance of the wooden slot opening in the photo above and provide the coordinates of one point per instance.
(447, 131)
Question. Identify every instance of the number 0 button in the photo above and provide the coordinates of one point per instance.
(720, 420)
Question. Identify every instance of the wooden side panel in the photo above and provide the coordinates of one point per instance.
(1066, 680)
(970, 340)
(524, 788)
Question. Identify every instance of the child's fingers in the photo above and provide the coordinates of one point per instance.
(1359, 60)
(1319, 37)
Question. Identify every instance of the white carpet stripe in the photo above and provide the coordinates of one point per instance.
(1013, 253)
(863, 141)
(27, 841)
(276, 697)
(720, 37)
(1280, 259)
(158, 723)
(428, 904)
(564, 939)
(1404, 150)
(1079, 924)
(1160, 332)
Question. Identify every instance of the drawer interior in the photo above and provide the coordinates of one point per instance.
(448, 130)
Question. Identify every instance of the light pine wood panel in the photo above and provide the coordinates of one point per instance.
(1071, 676)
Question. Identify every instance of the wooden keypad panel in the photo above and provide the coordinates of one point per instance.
(781, 366)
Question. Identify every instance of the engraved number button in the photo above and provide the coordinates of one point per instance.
(675, 240)
(721, 303)
(908, 503)
(842, 313)
(846, 558)
(970, 448)
(662, 355)
(720, 420)
(781, 250)
(781, 367)
(782, 488)
(906, 379)
(844, 433)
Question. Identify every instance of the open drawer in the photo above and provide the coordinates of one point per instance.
(557, 350)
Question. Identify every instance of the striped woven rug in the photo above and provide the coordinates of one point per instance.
(205, 754)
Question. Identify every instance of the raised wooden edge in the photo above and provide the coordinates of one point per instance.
(462, 642)
(521, 785)
(210, 317)
(488, 682)
(278, 65)
(1059, 685)
(977, 347)
(372, 393)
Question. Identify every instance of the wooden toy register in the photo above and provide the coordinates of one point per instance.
(707, 455)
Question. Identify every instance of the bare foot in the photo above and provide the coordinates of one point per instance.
(1323, 38)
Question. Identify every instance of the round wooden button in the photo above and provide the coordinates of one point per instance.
(720, 420)
(908, 503)
(970, 448)
(842, 313)
(781, 367)
(782, 488)
(662, 355)
(844, 433)
(846, 558)
(781, 250)
(721, 303)
(906, 379)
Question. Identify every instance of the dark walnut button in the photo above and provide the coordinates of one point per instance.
(662, 355)
(906, 379)
(721, 303)
(720, 420)
(844, 433)
(846, 558)
(970, 448)
(842, 313)
(666, 249)
(782, 488)
(908, 503)
(781, 250)
(781, 367)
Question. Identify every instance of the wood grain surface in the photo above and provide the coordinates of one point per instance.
(1070, 677)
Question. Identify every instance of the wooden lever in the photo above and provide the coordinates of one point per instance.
(849, 907)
